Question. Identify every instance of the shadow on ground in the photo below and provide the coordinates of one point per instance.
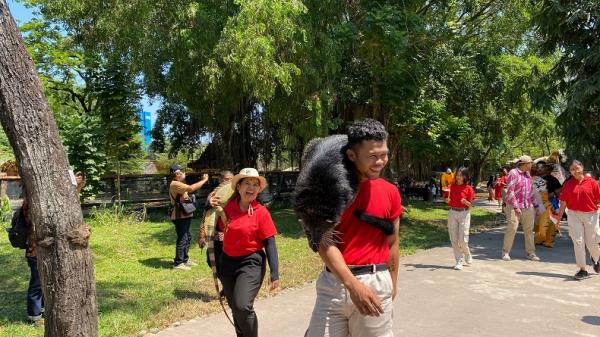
(553, 275)
(488, 246)
(431, 267)
(196, 295)
(158, 263)
(593, 320)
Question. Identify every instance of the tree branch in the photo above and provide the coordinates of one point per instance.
(75, 97)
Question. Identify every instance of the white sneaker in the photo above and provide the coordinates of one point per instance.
(182, 266)
(458, 266)
(191, 263)
(505, 257)
(533, 257)
(469, 260)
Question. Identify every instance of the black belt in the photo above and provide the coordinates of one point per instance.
(366, 269)
(459, 209)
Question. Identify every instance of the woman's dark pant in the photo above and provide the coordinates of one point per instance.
(35, 298)
(184, 239)
(241, 278)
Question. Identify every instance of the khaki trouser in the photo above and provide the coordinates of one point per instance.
(334, 314)
(527, 219)
(459, 223)
(584, 231)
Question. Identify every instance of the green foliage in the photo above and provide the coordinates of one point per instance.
(5, 210)
(450, 79)
(252, 47)
(81, 135)
(117, 104)
(6, 152)
(116, 215)
(95, 103)
(570, 29)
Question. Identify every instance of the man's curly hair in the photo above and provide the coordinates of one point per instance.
(366, 129)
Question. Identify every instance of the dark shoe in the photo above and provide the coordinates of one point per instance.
(581, 274)
(597, 266)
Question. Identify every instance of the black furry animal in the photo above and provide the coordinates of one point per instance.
(326, 185)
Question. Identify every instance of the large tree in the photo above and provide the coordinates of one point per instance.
(267, 76)
(64, 259)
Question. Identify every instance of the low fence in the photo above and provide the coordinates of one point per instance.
(155, 188)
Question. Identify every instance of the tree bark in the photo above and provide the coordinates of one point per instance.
(64, 259)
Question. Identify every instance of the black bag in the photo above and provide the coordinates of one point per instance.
(186, 208)
(19, 230)
(189, 206)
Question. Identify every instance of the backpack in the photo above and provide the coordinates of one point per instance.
(19, 230)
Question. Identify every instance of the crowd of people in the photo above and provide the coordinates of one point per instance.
(536, 195)
(358, 284)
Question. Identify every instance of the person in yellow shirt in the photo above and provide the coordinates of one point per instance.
(446, 180)
(178, 193)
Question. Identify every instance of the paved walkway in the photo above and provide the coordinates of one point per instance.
(492, 298)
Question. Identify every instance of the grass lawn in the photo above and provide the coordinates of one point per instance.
(137, 288)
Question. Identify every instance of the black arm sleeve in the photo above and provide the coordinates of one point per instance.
(271, 250)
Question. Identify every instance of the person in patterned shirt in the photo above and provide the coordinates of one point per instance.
(520, 208)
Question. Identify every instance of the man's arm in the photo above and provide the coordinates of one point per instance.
(511, 198)
(198, 185)
(364, 299)
(394, 241)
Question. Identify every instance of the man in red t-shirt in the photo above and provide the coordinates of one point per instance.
(355, 292)
(581, 195)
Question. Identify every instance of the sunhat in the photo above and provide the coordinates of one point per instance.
(249, 173)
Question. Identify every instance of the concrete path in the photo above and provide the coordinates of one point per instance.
(492, 298)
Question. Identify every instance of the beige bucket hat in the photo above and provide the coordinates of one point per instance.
(249, 173)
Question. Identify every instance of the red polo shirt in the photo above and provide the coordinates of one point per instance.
(581, 196)
(361, 243)
(458, 192)
(245, 232)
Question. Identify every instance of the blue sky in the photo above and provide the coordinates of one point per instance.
(23, 14)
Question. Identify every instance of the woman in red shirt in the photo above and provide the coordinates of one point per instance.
(581, 195)
(460, 199)
(249, 232)
(500, 185)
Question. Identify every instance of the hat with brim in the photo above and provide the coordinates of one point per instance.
(249, 173)
(524, 160)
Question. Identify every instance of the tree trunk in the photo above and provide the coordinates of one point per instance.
(64, 259)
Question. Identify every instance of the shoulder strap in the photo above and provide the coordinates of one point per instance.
(385, 225)
(176, 204)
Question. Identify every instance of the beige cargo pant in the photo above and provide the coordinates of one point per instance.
(584, 231)
(527, 219)
(459, 223)
(334, 314)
